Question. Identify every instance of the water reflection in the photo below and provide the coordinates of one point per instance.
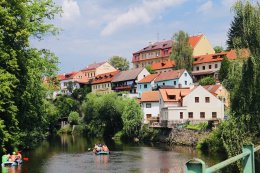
(14, 169)
(69, 154)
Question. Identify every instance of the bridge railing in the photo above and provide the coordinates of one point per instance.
(247, 156)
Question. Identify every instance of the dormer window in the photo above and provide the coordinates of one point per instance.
(172, 97)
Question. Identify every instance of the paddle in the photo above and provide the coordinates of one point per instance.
(25, 158)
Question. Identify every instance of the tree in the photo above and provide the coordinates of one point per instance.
(207, 81)
(132, 119)
(73, 118)
(218, 49)
(223, 72)
(182, 51)
(65, 105)
(119, 63)
(149, 69)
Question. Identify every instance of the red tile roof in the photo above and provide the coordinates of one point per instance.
(212, 88)
(66, 76)
(232, 54)
(93, 66)
(106, 77)
(149, 78)
(174, 95)
(193, 40)
(61, 77)
(169, 75)
(150, 96)
(163, 65)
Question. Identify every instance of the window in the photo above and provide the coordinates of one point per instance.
(186, 83)
(203, 67)
(145, 85)
(202, 114)
(185, 74)
(207, 99)
(163, 83)
(216, 65)
(174, 82)
(197, 99)
(140, 86)
(181, 115)
(190, 114)
(148, 105)
(148, 116)
(198, 68)
(209, 66)
(214, 114)
(172, 97)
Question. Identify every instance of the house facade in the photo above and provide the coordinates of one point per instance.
(196, 104)
(164, 66)
(92, 70)
(174, 78)
(146, 84)
(126, 81)
(102, 82)
(150, 106)
(161, 51)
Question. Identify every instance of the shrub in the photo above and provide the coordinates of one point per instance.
(207, 81)
(73, 118)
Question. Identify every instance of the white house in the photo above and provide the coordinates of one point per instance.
(150, 106)
(196, 104)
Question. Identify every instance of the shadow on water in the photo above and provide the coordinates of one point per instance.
(73, 154)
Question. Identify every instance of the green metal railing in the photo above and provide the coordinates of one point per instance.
(247, 156)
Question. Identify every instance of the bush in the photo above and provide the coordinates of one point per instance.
(207, 81)
(200, 126)
(73, 118)
(65, 130)
(148, 134)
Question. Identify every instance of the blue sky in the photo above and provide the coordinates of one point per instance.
(95, 30)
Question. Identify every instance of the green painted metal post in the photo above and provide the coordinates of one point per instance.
(195, 166)
(249, 161)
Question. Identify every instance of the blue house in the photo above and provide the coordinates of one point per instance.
(176, 78)
(146, 84)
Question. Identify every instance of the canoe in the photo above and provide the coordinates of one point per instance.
(11, 163)
(102, 153)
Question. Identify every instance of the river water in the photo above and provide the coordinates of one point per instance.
(72, 154)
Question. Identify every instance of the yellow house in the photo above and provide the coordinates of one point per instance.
(102, 83)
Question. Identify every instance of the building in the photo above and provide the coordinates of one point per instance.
(197, 104)
(127, 81)
(209, 65)
(164, 66)
(161, 51)
(102, 82)
(92, 70)
(70, 81)
(220, 92)
(150, 106)
(146, 84)
(176, 78)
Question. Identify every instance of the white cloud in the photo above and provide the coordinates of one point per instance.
(206, 7)
(70, 9)
(144, 13)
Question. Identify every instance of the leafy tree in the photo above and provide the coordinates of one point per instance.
(218, 49)
(132, 118)
(65, 105)
(207, 81)
(182, 51)
(223, 72)
(70, 86)
(80, 93)
(73, 118)
(149, 69)
(119, 63)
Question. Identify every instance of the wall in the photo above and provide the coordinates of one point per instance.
(141, 89)
(203, 47)
(154, 110)
(168, 82)
(142, 74)
(207, 66)
(224, 96)
(102, 88)
(215, 105)
(184, 78)
(105, 68)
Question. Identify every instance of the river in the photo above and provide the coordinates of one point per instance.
(72, 154)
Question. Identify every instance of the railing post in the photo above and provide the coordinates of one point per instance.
(249, 160)
(195, 166)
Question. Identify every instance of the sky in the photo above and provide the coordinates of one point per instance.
(95, 30)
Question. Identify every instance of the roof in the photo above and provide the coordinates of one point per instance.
(163, 65)
(150, 96)
(193, 40)
(60, 77)
(175, 74)
(66, 76)
(174, 95)
(149, 78)
(128, 75)
(232, 54)
(212, 88)
(93, 66)
(106, 77)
